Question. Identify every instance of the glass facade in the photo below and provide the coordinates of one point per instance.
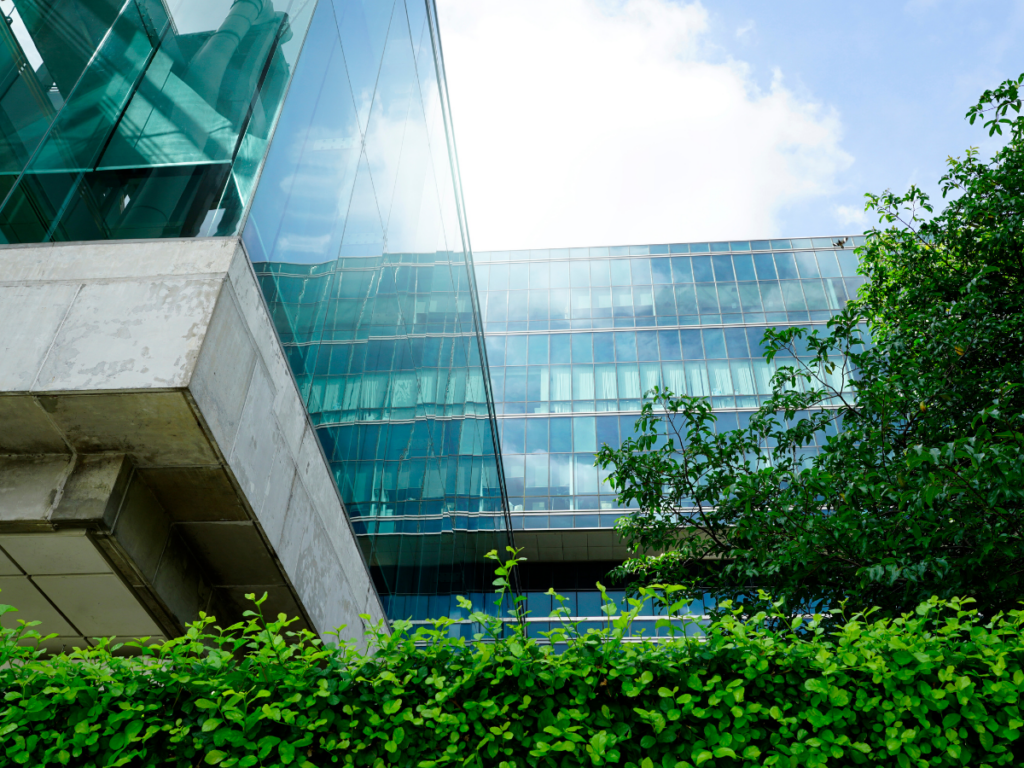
(141, 118)
(576, 336)
(319, 131)
(357, 236)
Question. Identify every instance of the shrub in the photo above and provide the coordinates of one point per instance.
(937, 687)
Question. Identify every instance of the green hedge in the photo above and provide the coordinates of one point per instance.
(940, 687)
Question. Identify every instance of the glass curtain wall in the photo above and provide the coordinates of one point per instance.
(576, 336)
(138, 118)
(357, 236)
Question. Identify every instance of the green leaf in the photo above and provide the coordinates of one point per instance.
(214, 756)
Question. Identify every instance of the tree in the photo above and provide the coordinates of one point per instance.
(919, 490)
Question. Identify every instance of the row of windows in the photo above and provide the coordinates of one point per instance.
(630, 381)
(674, 300)
(734, 246)
(748, 318)
(679, 269)
(630, 346)
(583, 435)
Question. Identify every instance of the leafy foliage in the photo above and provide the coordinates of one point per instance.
(919, 490)
(937, 687)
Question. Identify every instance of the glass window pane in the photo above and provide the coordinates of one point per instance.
(786, 264)
(697, 380)
(538, 349)
(848, 262)
(669, 344)
(674, 378)
(714, 342)
(744, 266)
(605, 382)
(681, 270)
(536, 435)
(664, 301)
(560, 274)
(728, 298)
(579, 274)
(515, 350)
(643, 301)
(707, 298)
(686, 301)
(561, 383)
(720, 378)
(640, 270)
(601, 302)
(750, 297)
(661, 271)
(742, 377)
(498, 280)
(540, 275)
(604, 349)
(723, 268)
(736, 342)
(628, 381)
(559, 309)
(513, 435)
(538, 305)
(518, 303)
(765, 265)
(702, 272)
(771, 297)
(807, 264)
(561, 435)
(620, 272)
(515, 384)
(583, 382)
(692, 347)
(815, 294)
(582, 351)
(793, 296)
(647, 345)
(827, 264)
(625, 346)
(581, 307)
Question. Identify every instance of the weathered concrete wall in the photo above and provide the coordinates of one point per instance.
(146, 403)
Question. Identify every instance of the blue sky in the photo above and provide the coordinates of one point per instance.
(627, 121)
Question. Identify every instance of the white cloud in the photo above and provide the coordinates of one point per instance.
(745, 30)
(853, 216)
(612, 121)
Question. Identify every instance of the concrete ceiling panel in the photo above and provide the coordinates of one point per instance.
(154, 428)
(26, 428)
(27, 486)
(32, 605)
(193, 494)
(99, 605)
(54, 553)
(8, 568)
(235, 553)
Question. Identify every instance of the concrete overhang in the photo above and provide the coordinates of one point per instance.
(156, 459)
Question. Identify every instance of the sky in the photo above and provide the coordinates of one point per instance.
(608, 122)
